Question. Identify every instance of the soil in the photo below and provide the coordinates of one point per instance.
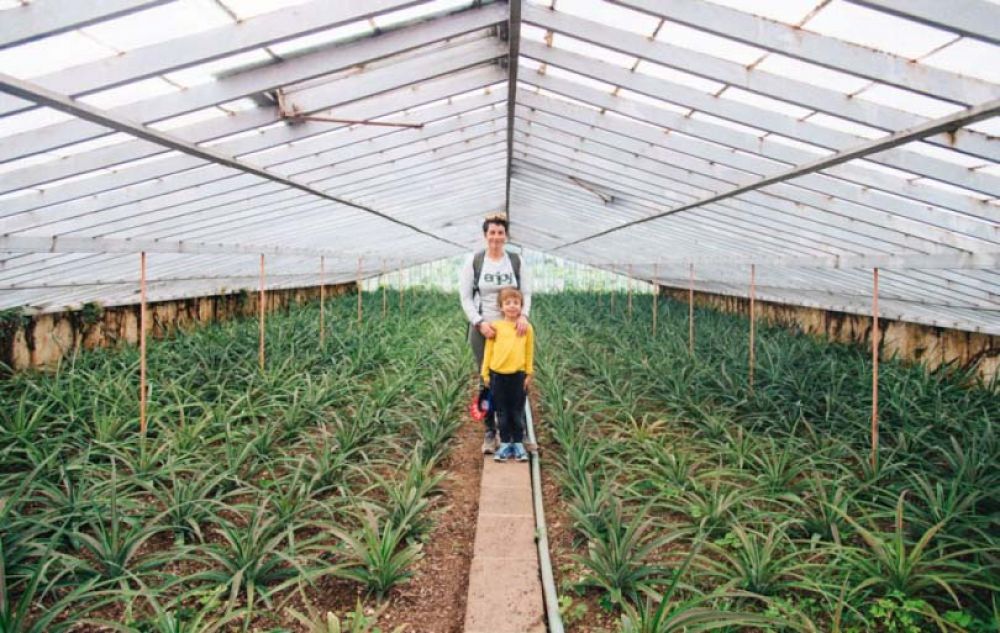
(434, 599)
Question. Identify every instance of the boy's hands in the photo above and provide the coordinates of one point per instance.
(528, 382)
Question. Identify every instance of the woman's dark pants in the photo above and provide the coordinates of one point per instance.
(478, 344)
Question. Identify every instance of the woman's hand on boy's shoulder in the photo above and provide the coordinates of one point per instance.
(522, 325)
(486, 329)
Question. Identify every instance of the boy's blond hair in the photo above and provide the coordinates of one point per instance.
(509, 291)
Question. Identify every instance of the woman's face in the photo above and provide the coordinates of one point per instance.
(496, 236)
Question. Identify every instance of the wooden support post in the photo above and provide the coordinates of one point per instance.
(691, 311)
(260, 309)
(656, 296)
(753, 288)
(875, 342)
(322, 296)
(142, 343)
(359, 290)
(630, 290)
(385, 292)
(400, 285)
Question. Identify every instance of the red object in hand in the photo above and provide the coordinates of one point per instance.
(475, 412)
(481, 405)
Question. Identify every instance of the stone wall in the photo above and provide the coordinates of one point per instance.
(43, 340)
(913, 342)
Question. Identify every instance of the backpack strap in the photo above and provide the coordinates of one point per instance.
(477, 268)
(515, 262)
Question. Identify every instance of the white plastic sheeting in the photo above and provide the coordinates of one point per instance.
(813, 138)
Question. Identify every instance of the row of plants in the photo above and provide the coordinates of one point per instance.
(699, 503)
(252, 489)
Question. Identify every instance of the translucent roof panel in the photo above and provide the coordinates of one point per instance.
(815, 138)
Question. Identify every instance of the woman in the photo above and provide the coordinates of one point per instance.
(482, 276)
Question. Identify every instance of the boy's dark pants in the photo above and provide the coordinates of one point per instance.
(509, 397)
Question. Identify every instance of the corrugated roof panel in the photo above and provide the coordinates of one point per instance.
(644, 132)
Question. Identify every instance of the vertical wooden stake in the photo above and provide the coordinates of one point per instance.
(385, 295)
(322, 296)
(753, 288)
(359, 290)
(260, 310)
(142, 343)
(875, 341)
(400, 285)
(630, 290)
(656, 296)
(691, 311)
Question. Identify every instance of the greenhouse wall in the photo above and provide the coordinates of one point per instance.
(913, 342)
(42, 340)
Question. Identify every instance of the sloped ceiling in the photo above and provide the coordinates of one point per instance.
(680, 141)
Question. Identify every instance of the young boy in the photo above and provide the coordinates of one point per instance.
(508, 363)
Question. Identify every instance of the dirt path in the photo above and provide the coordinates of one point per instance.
(434, 599)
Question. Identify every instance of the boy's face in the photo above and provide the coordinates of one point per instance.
(511, 307)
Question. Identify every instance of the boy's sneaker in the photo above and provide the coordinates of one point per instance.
(504, 453)
(520, 454)
(490, 442)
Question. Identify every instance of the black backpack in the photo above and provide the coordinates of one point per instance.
(477, 269)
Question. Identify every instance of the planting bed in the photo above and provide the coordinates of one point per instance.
(259, 500)
(685, 501)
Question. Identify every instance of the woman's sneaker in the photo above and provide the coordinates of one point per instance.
(490, 442)
(505, 452)
(520, 454)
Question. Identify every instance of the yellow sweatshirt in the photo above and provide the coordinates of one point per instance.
(508, 353)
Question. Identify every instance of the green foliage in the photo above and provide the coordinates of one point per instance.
(227, 507)
(13, 319)
(689, 616)
(621, 563)
(763, 564)
(897, 614)
(889, 564)
(591, 508)
(19, 604)
(408, 500)
(377, 556)
(202, 617)
(356, 621)
(571, 612)
(779, 479)
(110, 544)
(90, 313)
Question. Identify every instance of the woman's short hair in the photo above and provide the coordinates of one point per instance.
(496, 218)
(507, 292)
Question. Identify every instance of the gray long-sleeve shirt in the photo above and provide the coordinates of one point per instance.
(494, 276)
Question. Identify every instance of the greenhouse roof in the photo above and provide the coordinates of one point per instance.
(816, 139)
